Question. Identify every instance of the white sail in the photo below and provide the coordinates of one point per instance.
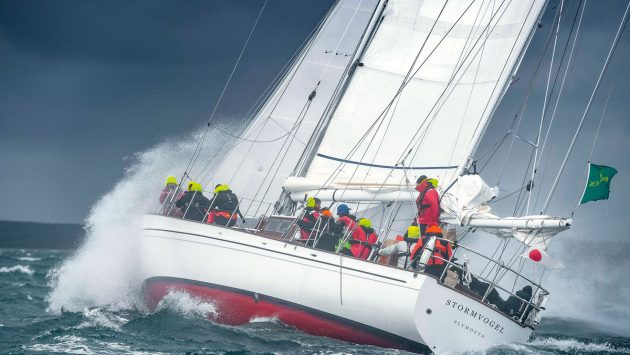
(270, 147)
(462, 72)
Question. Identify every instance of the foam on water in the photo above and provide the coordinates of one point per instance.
(105, 269)
(68, 344)
(25, 269)
(264, 320)
(574, 345)
(187, 305)
(98, 317)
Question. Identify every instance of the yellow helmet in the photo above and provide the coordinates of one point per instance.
(171, 180)
(221, 187)
(310, 202)
(364, 222)
(413, 232)
(433, 182)
(195, 186)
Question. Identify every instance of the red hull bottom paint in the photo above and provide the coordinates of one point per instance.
(236, 308)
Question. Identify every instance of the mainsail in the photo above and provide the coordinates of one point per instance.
(421, 97)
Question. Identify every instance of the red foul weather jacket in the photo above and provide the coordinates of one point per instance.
(428, 203)
(362, 235)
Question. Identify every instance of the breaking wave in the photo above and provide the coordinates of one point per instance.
(186, 305)
(105, 271)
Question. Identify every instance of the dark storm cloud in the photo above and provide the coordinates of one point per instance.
(141, 32)
(84, 84)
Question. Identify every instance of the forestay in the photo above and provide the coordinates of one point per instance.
(460, 75)
(270, 147)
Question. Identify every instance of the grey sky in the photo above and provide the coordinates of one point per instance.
(84, 84)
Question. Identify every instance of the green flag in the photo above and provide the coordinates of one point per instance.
(598, 184)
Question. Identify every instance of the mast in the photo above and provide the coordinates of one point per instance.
(316, 139)
(285, 204)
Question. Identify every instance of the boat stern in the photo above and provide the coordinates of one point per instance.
(451, 321)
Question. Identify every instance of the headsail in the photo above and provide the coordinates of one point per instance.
(453, 61)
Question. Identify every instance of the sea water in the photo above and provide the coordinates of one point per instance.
(89, 301)
(180, 324)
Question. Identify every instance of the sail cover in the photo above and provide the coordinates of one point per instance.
(267, 152)
(466, 53)
(466, 204)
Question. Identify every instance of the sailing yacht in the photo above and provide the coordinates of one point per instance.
(382, 92)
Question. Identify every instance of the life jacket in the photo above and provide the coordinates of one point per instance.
(428, 204)
(414, 253)
(348, 221)
(225, 201)
(214, 215)
(441, 251)
(308, 222)
(363, 236)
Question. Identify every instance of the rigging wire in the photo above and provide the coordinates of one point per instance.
(303, 48)
(472, 89)
(516, 122)
(622, 25)
(417, 149)
(579, 11)
(417, 146)
(474, 28)
(546, 99)
(199, 147)
(601, 120)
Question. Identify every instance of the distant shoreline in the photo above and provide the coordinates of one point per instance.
(33, 235)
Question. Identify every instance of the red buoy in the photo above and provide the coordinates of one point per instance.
(535, 255)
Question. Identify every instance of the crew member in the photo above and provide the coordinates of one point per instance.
(442, 251)
(309, 218)
(224, 209)
(403, 248)
(193, 203)
(363, 238)
(344, 226)
(518, 306)
(325, 237)
(168, 196)
(428, 203)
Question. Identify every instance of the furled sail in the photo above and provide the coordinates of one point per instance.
(466, 204)
(451, 61)
(268, 151)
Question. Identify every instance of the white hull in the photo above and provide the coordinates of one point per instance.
(397, 307)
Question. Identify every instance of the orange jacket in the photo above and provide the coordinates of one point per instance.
(440, 251)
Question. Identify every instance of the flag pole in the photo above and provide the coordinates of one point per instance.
(580, 197)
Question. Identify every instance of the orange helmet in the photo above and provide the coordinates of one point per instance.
(433, 230)
(326, 212)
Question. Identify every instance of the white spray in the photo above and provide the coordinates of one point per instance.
(105, 271)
